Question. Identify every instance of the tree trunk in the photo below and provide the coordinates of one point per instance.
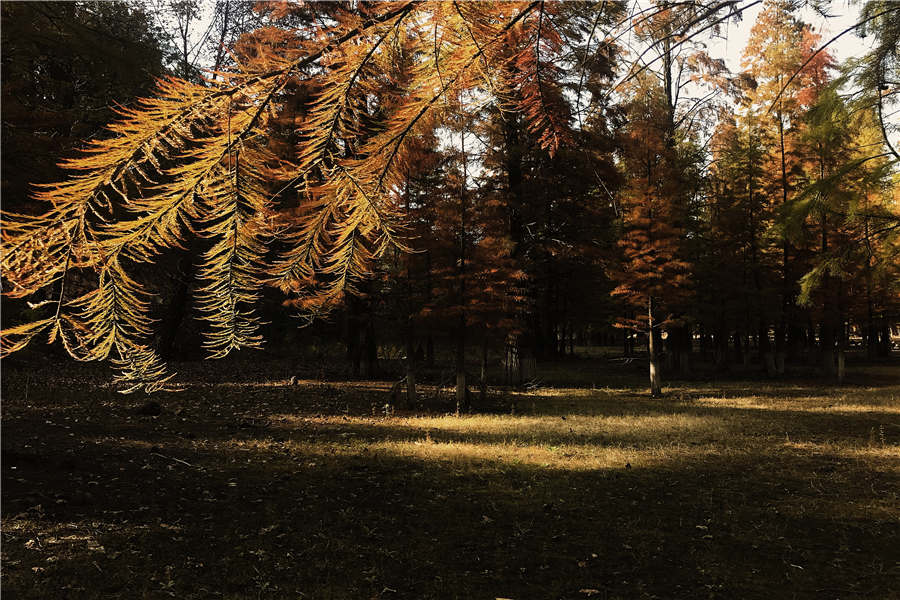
(884, 347)
(739, 351)
(178, 307)
(828, 313)
(765, 350)
(429, 350)
(655, 386)
(786, 300)
(355, 337)
(484, 362)
(461, 390)
(411, 354)
(686, 347)
(370, 347)
(827, 340)
(429, 339)
(412, 397)
(871, 332)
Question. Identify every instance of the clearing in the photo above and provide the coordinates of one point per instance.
(254, 488)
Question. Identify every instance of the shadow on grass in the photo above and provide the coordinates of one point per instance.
(218, 497)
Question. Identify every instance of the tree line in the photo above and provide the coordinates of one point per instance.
(510, 178)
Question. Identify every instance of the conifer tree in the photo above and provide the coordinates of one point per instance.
(781, 59)
(653, 275)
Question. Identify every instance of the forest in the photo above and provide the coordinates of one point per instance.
(450, 299)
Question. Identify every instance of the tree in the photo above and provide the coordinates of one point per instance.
(742, 300)
(652, 274)
(845, 195)
(781, 58)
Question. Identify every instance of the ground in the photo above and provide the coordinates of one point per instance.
(244, 486)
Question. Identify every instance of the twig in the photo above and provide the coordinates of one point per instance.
(178, 460)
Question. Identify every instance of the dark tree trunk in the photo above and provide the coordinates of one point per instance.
(828, 327)
(765, 350)
(461, 388)
(655, 385)
(429, 338)
(484, 363)
(355, 336)
(178, 307)
(686, 348)
(787, 301)
(884, 347)
(411, 396)
(371, 347)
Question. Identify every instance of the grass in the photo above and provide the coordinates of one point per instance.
(252, 488)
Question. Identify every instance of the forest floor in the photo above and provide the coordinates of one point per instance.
(243, 487)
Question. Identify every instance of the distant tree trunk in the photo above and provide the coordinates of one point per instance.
(871, 332)
(765, 350)
(461, 389)
(411, 396)
(461, 365)
(178, 307)
(828, 313)
(884, 347)
(429, 338)
(355, 336)
(827, 341)
(484, 362)
(371, 349)
(429, 350)
(369, 344)
(655, 386)
(513, 147)
(786, 300)
(739, 351)
(746, 340)
(686, 348)
(411, 359)
(720, 347)
(508, 360)
(670, 352)
(812, 342)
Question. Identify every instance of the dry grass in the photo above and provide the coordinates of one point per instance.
(253, 488)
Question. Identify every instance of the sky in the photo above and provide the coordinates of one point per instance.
(729, 44)
(734, 37)
(842, 16)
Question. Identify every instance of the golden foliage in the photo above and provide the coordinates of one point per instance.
(197, 161)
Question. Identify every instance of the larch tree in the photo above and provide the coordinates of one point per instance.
(781, 59)
(740, 215)
(846, 203)
(653, 275)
